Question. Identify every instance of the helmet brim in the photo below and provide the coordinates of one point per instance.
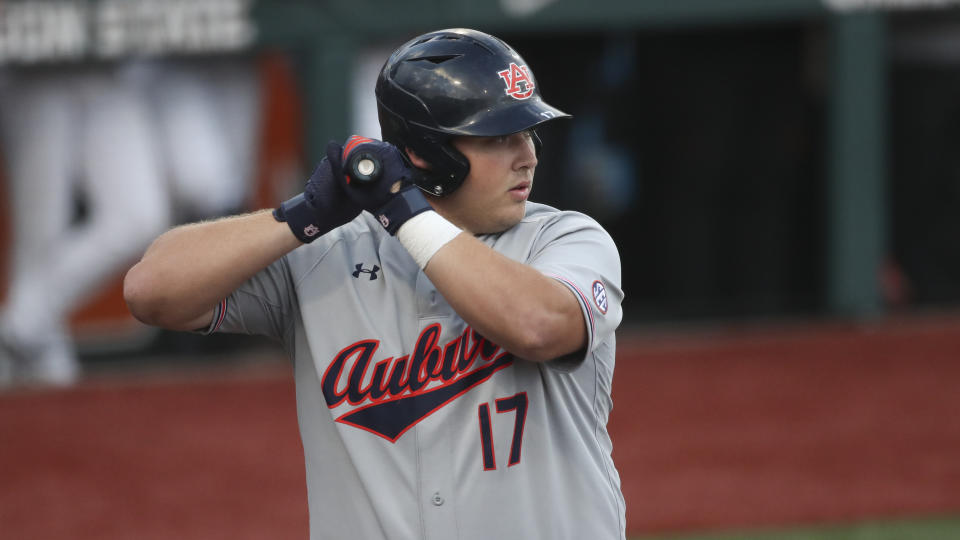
(517, 117)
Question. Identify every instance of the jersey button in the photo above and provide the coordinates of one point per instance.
(437, 499)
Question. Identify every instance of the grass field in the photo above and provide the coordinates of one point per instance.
(945, 528)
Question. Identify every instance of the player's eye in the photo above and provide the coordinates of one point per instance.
(501, 140)
(526, 134)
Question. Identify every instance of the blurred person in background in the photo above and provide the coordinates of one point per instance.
(69, 131)
(100, 159)
(207, 120)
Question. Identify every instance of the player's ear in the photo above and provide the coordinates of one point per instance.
(416, 160)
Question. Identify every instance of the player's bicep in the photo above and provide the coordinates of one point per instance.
(574, 332)
(262, 306)
(582, 257)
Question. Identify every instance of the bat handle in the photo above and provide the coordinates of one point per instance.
(363, 167)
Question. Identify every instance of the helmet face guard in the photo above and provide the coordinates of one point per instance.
(451, 83)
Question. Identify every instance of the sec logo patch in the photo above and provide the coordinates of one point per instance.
(600, 296)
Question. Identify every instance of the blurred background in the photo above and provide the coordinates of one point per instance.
(781, 178)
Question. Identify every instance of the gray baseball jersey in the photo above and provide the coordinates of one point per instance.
(415, 426)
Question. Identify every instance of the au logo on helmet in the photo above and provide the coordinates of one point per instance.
(518, 81)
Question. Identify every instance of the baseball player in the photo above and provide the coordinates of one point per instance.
(453, 343)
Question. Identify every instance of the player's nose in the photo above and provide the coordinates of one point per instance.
(526, 153)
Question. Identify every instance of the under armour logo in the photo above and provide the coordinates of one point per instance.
(361, 270)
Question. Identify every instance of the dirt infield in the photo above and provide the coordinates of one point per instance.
(156, 459)
(711, 430)
(803, 425)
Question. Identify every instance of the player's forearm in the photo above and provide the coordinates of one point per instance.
(189, 269)
(514, 305)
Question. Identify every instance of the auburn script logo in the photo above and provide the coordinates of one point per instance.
(396, 393)
(518, 81)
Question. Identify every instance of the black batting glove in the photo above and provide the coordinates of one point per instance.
(322, 207)
(384, 187)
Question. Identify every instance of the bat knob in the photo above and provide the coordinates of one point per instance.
(364, 167)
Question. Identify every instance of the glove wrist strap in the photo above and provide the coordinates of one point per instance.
(401, 207)
(302, 219)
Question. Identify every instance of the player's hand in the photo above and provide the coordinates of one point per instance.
(391, 172)
(322, 207)
(389, 193)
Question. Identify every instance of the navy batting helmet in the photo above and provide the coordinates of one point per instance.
(450, 83)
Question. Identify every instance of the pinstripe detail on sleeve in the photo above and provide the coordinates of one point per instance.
(220, 315)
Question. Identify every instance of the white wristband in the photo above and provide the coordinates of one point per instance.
(424, 234)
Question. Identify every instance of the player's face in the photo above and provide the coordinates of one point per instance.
(493, 196)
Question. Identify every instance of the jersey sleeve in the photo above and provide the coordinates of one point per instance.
(263, 305)
(576, 251)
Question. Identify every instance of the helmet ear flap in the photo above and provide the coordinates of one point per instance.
(448, 167)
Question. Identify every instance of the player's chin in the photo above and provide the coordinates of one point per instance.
(508, 217)
(495, 221)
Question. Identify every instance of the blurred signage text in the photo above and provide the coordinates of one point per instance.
(39, 31)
